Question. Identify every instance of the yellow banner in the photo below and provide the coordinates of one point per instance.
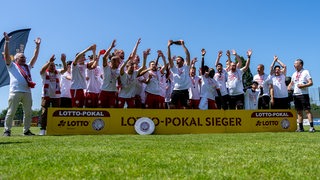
(62, 121)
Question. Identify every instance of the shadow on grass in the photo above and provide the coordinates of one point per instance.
(17, 142)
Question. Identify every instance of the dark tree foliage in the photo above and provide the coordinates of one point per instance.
(247, 76)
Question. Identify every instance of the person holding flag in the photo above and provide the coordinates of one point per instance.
(20, 86)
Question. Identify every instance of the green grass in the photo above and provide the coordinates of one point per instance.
(192, 156)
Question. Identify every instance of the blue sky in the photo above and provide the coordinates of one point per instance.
(288, 29)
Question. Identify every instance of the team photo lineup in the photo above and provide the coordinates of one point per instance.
(107, 78)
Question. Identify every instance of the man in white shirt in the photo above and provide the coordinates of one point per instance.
(128, 78)
(51, 88)
(235, 84)
(108, 95)
(20, 86)
(265, 84)
(94, 81)
(65, 84)
(221, 78)
(279, 93)
(181, 79)
(300, 81)
(78, 82)
(153, 88)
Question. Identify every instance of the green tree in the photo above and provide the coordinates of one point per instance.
(19, 113)
(3, 113)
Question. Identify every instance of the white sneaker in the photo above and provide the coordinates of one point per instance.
(42, 132)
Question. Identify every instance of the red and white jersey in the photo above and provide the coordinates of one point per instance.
(128, 85)
(251, 99)
(65, 85)
(78, 73)
(181, 78)
(279, 86)
(208, 87)
(234, 82)
(153, 86)
(194, 90)
(301, 77)
(264, 81)
(163, 85)
(221, 79)
(51, 83)
(110, 78)
(94, 80)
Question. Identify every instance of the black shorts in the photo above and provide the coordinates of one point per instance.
(180, 98)
(263, 102)
(280, 103)
(236, 102)
(223, 102)
(302, 102)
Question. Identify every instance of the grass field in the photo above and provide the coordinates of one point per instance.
(192, 156)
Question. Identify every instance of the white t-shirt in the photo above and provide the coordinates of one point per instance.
(153, 87)
(221, 80)
(94, 81)
(128, 85)
(163, 85)
(194, 90)
(208, 87)
(17, 82)
(300, 77)
(234, 82)
(65, 85)
(264, 81)
(279, 86)
(181, 77)
(78, 76)
(52, 84)
(169, 88)
(110, 77)
(251, 99)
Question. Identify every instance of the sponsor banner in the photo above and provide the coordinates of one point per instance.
(122, 121)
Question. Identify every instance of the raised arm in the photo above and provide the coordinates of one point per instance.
(124, 65)
(145, 55)
(284, 67)
(6, 48)
(245, 68)
(239, 64)
(218, 58)
(186, 51)
(134, 51)
(144, 62)
(275, 58)
(193, 62)
(81, 54)
(36, 52)
(107, 53)
(45, 66)
(203, 53)
(160, 54)
(93, 64)
(63, 60)
(169, 54)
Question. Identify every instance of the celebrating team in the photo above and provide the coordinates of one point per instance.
(123, 82)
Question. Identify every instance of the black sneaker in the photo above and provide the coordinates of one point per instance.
(7, 133)
(28, 133)
(300, 130)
